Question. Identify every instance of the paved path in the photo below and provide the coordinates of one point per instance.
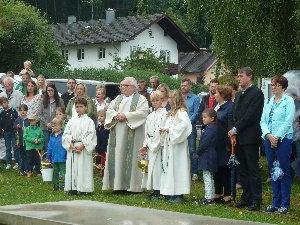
(87, 212)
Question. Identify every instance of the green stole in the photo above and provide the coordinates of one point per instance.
(128, 148)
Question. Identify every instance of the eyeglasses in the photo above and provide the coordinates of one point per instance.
(126, 85)
(276, 85)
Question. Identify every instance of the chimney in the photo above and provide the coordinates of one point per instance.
(110, 16)
(71, 19)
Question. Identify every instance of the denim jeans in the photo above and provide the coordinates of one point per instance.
(23, 167)
(282, 187)
(11, 144)
(192, 149)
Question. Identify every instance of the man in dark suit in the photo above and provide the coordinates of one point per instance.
(246, 133)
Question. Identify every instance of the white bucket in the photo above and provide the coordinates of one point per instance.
(47, 174)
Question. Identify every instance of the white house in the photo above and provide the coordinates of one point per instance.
(92, 44)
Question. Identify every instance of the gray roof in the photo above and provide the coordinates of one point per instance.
(197, 62)
(121, 30)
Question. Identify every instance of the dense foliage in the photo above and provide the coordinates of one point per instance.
(25, 35)
(261, 34)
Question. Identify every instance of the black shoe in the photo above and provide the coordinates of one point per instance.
(55, 188)
(81, 193)
(242, 204)
(254, 207)
(72, 193)
(155, 194)
(216, 200)
(222, 201)
(62, 188)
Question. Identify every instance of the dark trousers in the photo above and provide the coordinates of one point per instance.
(59, 168)
(222, 181)
(248, 157)
(23, 159)
(33, 160)
(281, 187)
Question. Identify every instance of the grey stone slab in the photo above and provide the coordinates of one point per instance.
(87, 212)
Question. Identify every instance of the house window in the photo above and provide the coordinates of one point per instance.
(165, 55)
(133, 49)
(65, 54)
(80, 54)
(101, 54)
(150, 34)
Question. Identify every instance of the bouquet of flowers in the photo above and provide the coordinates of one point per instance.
(277, 171)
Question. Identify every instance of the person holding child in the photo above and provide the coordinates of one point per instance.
(153, 144)
(34, 138)
(20, 124)
(8, 115)
(79, 139)
(207, 155)
(102, 141)
(175, 179)
(57, 154)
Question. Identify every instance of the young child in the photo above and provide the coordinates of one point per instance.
(27, 69)
(20, 124)
(79, 139)
(60, 113)
(175, 179)
(8, 115)
(34, 139)
(207, 155)
(57, 154)
(153, 144)
(102, 140)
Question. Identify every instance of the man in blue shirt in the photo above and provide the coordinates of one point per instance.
(192, 102)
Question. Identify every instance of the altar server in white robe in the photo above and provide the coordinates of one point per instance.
(153, 144)
(125, 117)
(175, 180)
(79, 139)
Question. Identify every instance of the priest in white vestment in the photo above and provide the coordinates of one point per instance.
(125, 117)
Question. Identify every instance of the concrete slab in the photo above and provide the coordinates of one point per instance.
(87, 212)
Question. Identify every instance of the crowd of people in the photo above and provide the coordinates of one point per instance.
(161, 125)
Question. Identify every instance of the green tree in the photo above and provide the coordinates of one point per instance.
(148, 62)
(26, 35)
(261, 34)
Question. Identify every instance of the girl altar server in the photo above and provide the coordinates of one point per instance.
(175, 180)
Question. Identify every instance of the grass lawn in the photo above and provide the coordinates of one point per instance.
(21, 190)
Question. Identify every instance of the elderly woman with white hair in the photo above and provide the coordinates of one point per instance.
(81, 92)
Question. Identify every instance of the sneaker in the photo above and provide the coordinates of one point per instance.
(282, 211)
(205, 202)
(194, 177)
(62, 188)
(16, 166)
(8, 166)
(270, 209)
(22, 174)
(55, 188)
